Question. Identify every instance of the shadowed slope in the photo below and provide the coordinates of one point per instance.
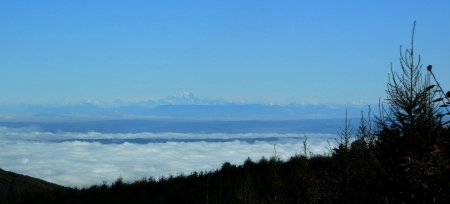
(12, 182)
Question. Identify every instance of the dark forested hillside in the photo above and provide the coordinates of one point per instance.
(299, 180)
(12, 182)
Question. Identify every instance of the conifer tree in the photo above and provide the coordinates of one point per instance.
(408, 130)
(410, 124)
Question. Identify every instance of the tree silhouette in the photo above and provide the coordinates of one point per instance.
(409, 131)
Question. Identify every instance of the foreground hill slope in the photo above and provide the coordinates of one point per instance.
(12, 182)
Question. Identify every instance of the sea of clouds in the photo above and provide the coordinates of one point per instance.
(84, 159)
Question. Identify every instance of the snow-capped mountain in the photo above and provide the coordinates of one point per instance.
(186, 98)
(184, 106)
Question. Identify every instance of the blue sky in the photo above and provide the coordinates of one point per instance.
(257, 50)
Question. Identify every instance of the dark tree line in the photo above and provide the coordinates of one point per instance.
(398, 155)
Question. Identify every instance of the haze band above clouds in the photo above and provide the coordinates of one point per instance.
(83, 159)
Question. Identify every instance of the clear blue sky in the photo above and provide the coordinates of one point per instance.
(252, 50)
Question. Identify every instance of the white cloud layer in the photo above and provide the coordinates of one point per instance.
(82, 163)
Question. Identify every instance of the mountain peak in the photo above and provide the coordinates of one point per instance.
(186, 94)
(184, 98)
(188, 98)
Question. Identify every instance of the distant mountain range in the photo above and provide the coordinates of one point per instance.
(180, 107)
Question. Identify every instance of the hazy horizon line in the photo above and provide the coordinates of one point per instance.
(186, 96)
